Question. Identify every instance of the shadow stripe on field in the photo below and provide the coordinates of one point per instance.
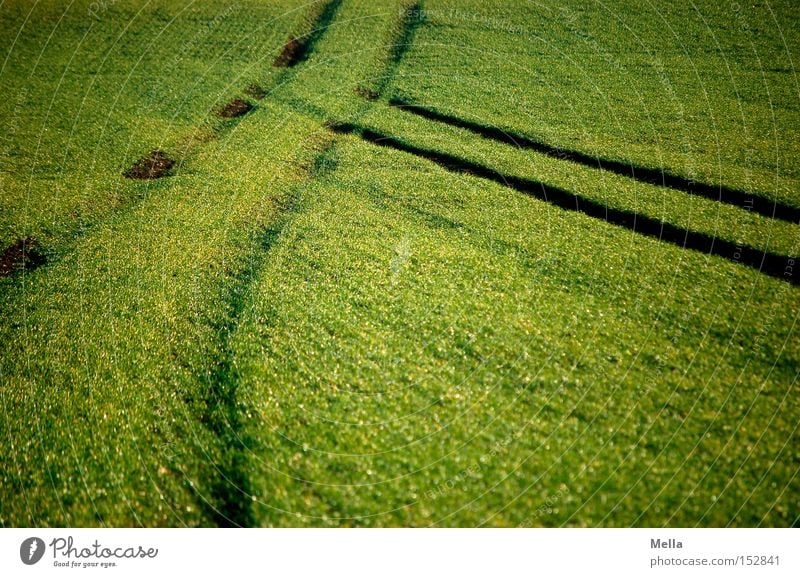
(299, 46)
(771, 264)
(753, 202)
(232, 500)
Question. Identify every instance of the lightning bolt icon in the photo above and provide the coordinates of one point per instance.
(34, 546)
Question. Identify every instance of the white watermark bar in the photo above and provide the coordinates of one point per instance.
(401, 552)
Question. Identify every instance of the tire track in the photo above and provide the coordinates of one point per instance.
(29, 254)
(771, 264)
(299, 46)
(231, 499)
(403, 37)
(157, 163)
(223, 118)
(754, 202)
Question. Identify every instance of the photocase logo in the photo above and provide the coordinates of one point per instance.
(31, 550)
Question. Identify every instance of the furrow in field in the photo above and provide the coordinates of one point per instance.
(28, 254)
(411, 17)
(752, 201)
(302, 42)
(726, 223)
(231, 504)
(358, 55)
(685, 211)
(158, 164)
(564, 77)
(775, 265)
(114, 363)
(101, 115)
(426, 349)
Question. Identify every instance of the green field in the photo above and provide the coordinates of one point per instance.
(444, 263)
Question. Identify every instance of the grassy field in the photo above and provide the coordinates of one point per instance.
(399, 264)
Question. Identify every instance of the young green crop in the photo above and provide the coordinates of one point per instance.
(301, 327)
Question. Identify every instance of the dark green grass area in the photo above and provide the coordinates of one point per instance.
(331, 311)
(706, 90)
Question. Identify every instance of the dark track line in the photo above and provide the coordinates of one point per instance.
(739, 198)
(771, 264)
(231, 503)
(405, 36)
(298, 48)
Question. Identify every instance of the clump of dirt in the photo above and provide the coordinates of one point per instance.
(235, 108)
(154, 165)
(255, 91)
(367, 93)
(24, 254)
(291, 54)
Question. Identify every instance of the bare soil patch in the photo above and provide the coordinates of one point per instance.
(154, 165)
(293, 51)
(367, 93)
(24, 254)
(235, 108)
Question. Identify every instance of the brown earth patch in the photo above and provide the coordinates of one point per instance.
(24, 254)
(235, 108)
(303, 40)
(291, 54)
(335, 125)
(154, 165)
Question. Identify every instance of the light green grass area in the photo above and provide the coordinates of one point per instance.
(88, 92)
(472, 356)
(297, 327)
(110, 359)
